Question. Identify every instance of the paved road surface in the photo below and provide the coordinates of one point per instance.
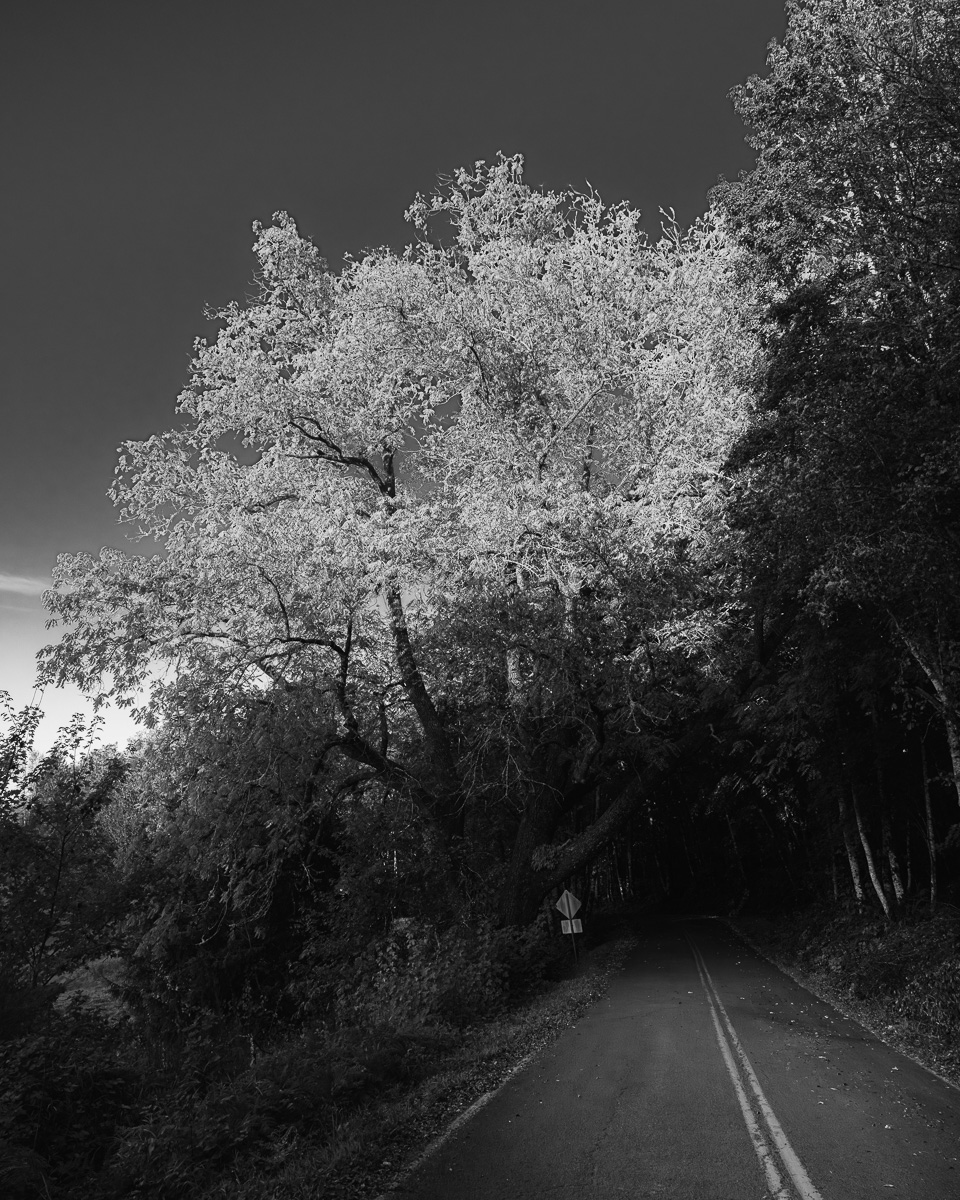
(706, 1074)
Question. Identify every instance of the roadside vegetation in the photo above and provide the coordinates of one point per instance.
(900, 979)
(543, 554)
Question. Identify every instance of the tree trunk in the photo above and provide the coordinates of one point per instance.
(849, 844)
(447, 781)
(686, 851)
(953, 741)
(736, 851)
(909, 855)
(943, 692)
(521, 894)
(883, 796)
(526, 885)
(930, 837)
(868, 855)
(511, 583)
(851, 849)
(663, 874)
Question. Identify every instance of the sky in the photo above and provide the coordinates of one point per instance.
(140, 141)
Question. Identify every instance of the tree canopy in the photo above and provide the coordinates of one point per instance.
(852, 211)
(470, 494)
(541, 525)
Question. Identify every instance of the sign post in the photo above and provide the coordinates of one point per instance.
(568, 905)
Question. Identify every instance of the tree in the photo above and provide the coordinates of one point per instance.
(848, 478)
(16, 744)
(223, 841)
(56, 894)
(469, 495)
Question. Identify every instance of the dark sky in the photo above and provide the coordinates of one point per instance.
(140, 140)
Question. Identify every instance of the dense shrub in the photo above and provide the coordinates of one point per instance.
(67, 1087)
(191, 1133)
(416, 976)
(909, 967)
(933, 996)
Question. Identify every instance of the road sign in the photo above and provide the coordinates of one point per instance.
(572, 926)
(568, 904)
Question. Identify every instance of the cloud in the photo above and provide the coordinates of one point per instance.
(23, 585)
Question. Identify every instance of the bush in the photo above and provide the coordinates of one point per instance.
(933, 996)
(192, 1133)
(24, 1174)
(911, 965)
(65, 1092)
(528, 955)
(415, 977)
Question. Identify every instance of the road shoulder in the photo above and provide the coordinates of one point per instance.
(789, 944)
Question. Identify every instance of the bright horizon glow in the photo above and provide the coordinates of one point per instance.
(22, 631)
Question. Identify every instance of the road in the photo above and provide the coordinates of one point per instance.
(706, 1074)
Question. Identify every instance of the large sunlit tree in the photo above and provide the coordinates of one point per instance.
(468, 497)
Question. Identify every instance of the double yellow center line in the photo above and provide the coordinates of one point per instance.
(777, 1157)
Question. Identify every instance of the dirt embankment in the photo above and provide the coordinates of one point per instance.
(900, 979)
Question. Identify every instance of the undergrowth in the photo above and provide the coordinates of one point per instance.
(97, 1107)
(901, 978)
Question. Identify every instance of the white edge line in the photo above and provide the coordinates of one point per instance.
(790, 1159)
(760, 1144)
(456, 1124)
(810, 985)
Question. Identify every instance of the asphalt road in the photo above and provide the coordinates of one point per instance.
(706, 1074)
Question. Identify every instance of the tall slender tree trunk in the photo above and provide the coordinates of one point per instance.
(944, 693)
(849, 843)
(630, 861)
(953, 741)
(736, 850)
(511, 580)
(909, 857)
(930, 836)
(663, 872)
(618, 876)
(686, 850)
(883, 796)
(868, 855)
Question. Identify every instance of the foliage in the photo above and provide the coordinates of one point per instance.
(67, 1090)
(56, 900)
(226, 846)
(933, 996)
(417, 977)
(458, 501)
(540, 553)
(848, 483)
(16, 743)
(901, 978)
